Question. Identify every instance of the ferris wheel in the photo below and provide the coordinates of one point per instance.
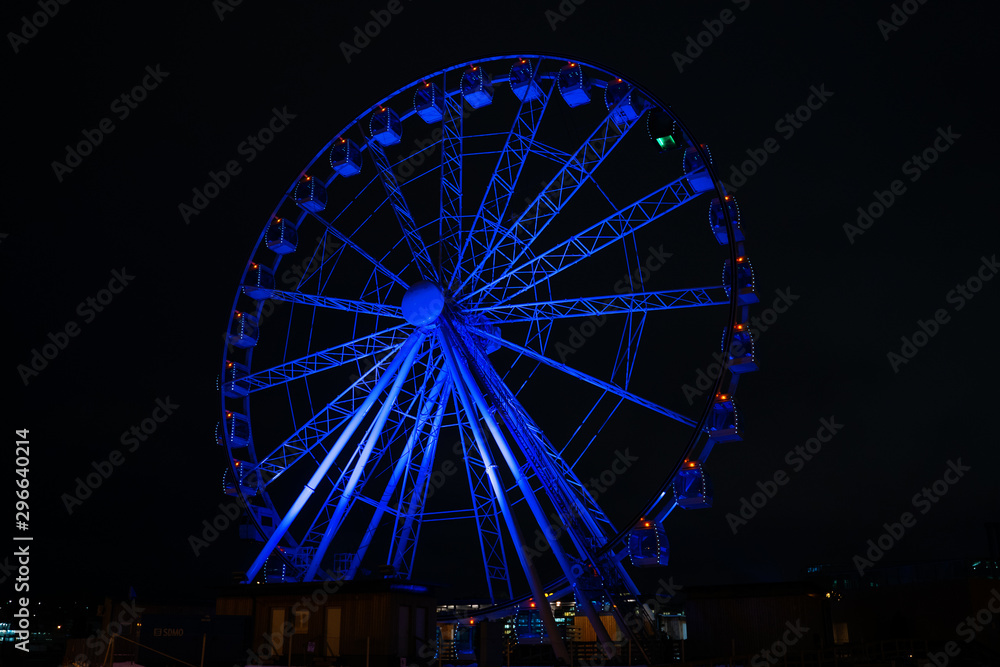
(469, 282)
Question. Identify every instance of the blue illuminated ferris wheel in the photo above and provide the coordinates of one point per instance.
(471, 297)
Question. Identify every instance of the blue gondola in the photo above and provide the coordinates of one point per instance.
(692, 487)
(696, 171)
(717, 220)
(233, 431)
(345, 157)
(477, 87)
(574, 85)
(746, 292)
(524, 80)
(742, 358)
(281, 236)
(630, 103)
(648, 545)
(259, 281)
(243, 481)
(234, 384)
(724, 421)
(310, 194)
(243, 330)
(428, 102)
(385, 127)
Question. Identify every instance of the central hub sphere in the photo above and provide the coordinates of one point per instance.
(422, 303)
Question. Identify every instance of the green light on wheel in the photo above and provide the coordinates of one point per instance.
(666, 142)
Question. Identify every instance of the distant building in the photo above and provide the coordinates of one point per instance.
(352, 623)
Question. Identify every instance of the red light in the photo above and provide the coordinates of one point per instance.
(237, 464)
(532, 605)
(647, 524)
(723, 397)
(229, 365)
(229, 414)
(572, 64)
(739, 260)
(727, 197)
(253, 265)
(474, 68)
(238, 314)
(308, 178)
(739, 327)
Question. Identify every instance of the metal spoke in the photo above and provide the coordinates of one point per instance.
(493, 208)
(404, 541)
(613, 304)
(438, 394)
(387, 340)
(580, 375)
(587, 242)
(450, 218)
(412, 343)
(373, 436)
(522, 232)
(462, 390)
(334, 303)
(349, 242)
(402, 210)
(312, 433)
(451, 345)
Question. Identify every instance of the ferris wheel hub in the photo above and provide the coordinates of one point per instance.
(422, 303)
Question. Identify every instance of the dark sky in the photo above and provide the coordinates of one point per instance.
(889, 95)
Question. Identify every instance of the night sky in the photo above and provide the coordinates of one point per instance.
(216, 73)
